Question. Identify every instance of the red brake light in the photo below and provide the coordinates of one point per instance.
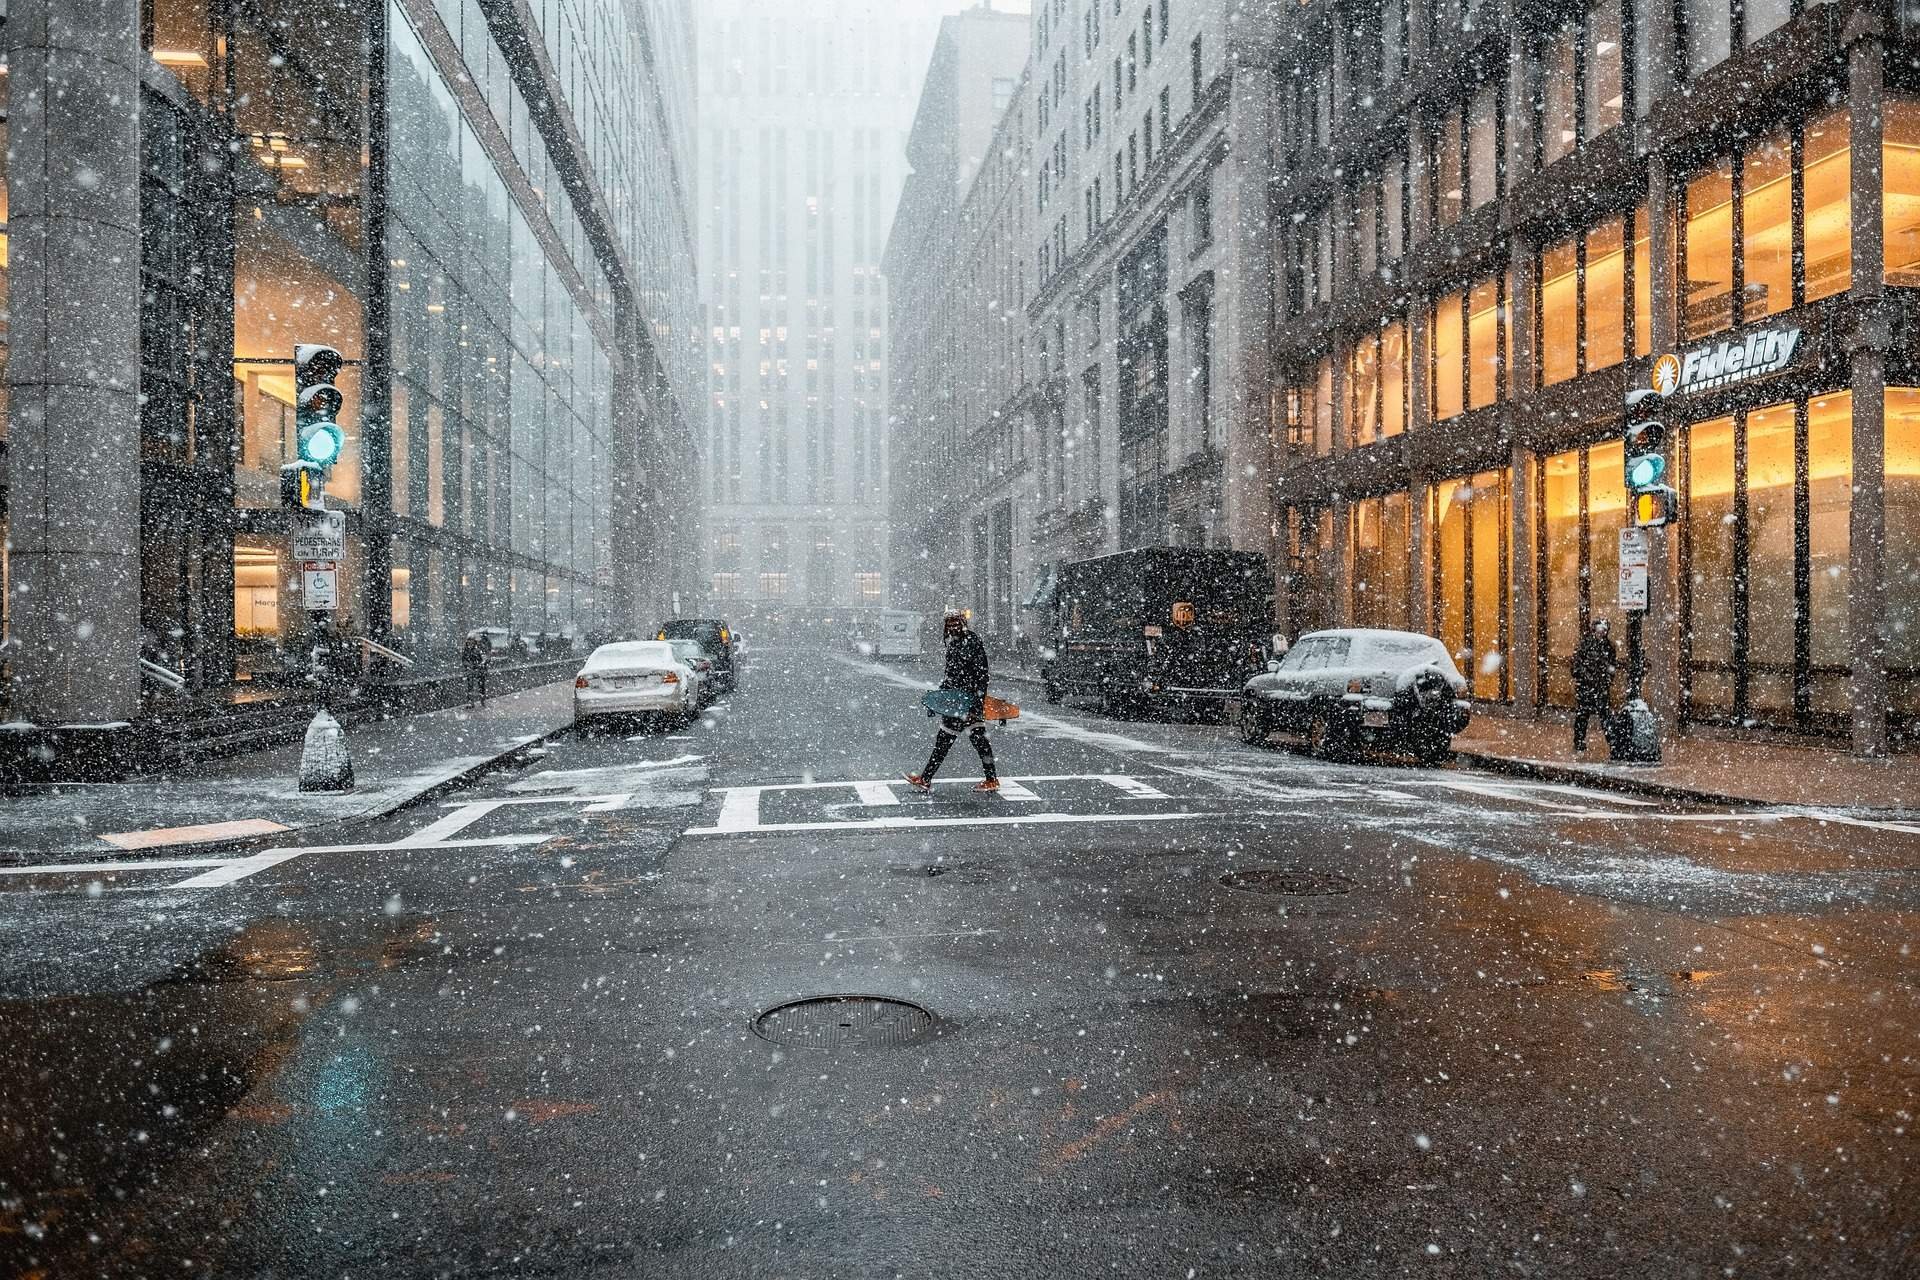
(579, 682)
(670, 677)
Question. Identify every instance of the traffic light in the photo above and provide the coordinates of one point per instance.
(1646, 473)
(317, 404)
(1646, 463)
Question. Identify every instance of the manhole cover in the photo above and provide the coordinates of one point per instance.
(1278, 880)
(835, 1022)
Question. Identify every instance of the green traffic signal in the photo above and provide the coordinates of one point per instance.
(320, 443)
(1644, 472)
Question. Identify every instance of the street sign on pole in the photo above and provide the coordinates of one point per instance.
(322, 538)
(1635, 557)
(319, 584)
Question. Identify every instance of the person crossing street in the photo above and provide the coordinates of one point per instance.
(966, 671)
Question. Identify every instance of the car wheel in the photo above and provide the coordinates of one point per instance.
(1325, 738)
(1254, 725)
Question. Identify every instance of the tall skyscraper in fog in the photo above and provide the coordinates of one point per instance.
(804, 112)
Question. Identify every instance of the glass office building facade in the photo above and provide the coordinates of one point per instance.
(483, 210)
(1477, 274)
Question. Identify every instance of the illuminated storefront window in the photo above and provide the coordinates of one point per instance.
(1900, 156)
(1902, 622)
(1377, 573)
(1766, 556)
(1448, 400)
(1471, 581)
(1582, 506)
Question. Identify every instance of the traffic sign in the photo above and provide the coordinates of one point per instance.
(322, 538)
(320, 584)
(1636, 554)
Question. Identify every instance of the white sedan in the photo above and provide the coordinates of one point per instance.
(635, 677)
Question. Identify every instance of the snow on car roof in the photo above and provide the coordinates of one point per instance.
(627, 651)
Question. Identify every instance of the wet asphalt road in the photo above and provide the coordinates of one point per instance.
(1464, 1027)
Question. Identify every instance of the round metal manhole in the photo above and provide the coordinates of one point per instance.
(844, 1022)
(1282, 882)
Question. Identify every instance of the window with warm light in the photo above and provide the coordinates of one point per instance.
(1559, 312)
(1706, 304)
(1901, 625)
(1377, 572)
(1562, 602)
(1447, 343)
(1472, 577)
(1486, 322)
(1900, 160)
(1710, 528)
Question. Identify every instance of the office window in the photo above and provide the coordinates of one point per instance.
(1448, 370)
(1605, 94)
(1766, 207)
(1146, 35)
(1559, 314)
(1483, 145)
(1900, 160)
(1485, 325)
(1393, 379)
(1709, 33)
(1559, 93)
(1393, 185)
(1447, 177)
(1366, 229)
(1603, 301)
(1826, 155)
(1202, 210)
(1166, 114)
(1194, 69)
(1707, 279)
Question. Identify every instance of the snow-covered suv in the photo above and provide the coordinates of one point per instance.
(1395, 690)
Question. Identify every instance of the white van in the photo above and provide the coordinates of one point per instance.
(897, 634)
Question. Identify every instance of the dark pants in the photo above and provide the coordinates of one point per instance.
(1583, 709)
(476, 684)
(943, 742)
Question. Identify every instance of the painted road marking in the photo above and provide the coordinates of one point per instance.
(442, 833)
(201, 833)
(740, 806)
(876, 793)
(1521, 792)
(874, 824)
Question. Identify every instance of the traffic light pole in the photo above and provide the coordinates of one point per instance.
(1643, 573)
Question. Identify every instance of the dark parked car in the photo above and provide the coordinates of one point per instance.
(1391, 690)
(715, 636)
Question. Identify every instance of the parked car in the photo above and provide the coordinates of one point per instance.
(714, 636)
(633, 678)
(1348, 689)
(692, 653)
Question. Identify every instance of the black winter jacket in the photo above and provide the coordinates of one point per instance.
(1594, 663)
(966, 665)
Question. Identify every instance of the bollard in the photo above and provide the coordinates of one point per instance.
(325, 762)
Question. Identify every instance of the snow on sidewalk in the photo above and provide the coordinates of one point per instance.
(396, 761)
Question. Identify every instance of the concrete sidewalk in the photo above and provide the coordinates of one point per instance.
(396, 763)
(1696, 767)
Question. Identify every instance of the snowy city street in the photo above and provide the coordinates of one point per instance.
(1171, 1002)
(960, 639)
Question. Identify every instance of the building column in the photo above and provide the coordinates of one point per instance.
(73, 372)
(1244, 297)
(1868, 341)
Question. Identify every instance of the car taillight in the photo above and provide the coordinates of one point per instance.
(1356, 686)
(580, 682)
(669, 677)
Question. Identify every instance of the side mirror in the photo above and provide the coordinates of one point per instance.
(1273, 664)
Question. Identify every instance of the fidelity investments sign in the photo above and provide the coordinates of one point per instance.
(1721, 364)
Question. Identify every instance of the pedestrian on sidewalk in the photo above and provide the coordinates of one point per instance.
(1594, 662)
(475, 654)
(966, 671)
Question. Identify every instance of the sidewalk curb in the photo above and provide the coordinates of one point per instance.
(1546, 772)
(510, 753)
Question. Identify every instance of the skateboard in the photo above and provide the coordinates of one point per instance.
(958, 704)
